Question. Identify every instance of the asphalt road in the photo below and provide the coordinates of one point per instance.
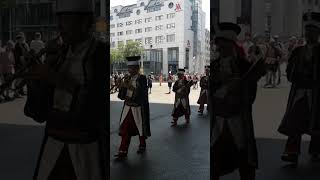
(173, 153)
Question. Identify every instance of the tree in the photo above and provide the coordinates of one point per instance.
(115, 56)
(132, 48)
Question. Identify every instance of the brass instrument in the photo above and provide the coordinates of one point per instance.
(116, 85)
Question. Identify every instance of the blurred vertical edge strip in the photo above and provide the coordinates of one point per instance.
(107, 40)
(214, 14)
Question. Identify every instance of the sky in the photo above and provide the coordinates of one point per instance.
(205, 7)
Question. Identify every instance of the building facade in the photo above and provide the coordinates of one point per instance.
(166, 31)
(30, 16)
(207, 47)
(268, 17)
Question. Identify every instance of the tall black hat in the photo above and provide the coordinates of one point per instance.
(228, 31)
(181, 71)
(133, 60)
(311, 19)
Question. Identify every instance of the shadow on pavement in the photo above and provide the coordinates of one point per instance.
(20, 146)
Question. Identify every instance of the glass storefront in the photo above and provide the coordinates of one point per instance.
(152, 61)
(173, 60)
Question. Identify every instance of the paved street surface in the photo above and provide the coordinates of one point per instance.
(172, 153)
(177, 153)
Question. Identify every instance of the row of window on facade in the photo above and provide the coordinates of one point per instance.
(149, 19)
(140, 30)
(148, 40)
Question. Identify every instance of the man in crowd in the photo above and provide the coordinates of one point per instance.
(170, 81)
(247, 43)
(302, 114)
(181, 104)
(21, 54)
(6, 69)
(76, 120)
(204, 85)
(232, 93)
(273, 56)
(135, 117)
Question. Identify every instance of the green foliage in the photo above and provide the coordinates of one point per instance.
(132, 49)
(115, 56)
(119, 54)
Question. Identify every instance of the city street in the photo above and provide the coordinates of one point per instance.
(172, 153)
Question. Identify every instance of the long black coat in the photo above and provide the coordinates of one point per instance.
(226, 153)
(141, 98)
(94, 111)
(298, 118)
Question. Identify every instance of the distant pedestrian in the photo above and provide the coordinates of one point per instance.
(170, 81)
(273, 56)
(204, 84)
(7, 66)
(149, 83)
(160, 79)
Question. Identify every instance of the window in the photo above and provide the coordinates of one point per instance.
(112, 26)
(158, 18)
(119, 24)
(171, 15)
(148, 40)
(112, 34)
(159, 39)
(120, 43)
(148, 19)
(158, 28)
(148, 29)
(113, 44)
(124, 15)
(142, 4)
(120, 33)
(139, 21)
(128, 23)
(129, 32)
(138, 31)
(152, 9)
(171, 38)
(171, 26)
(170, 5)
(138, 12)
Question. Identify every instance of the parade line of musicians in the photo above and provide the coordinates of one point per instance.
(233, 86)
(135, 116)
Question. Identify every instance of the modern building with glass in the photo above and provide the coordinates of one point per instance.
(171, 32)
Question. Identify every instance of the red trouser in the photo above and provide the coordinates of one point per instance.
(179, 111)
(294, 142)
(125, 143)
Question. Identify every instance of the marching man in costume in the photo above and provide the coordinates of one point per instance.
(204, 90)
(302, 115)
(181, 104)
(76, 120)
(135, 117)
